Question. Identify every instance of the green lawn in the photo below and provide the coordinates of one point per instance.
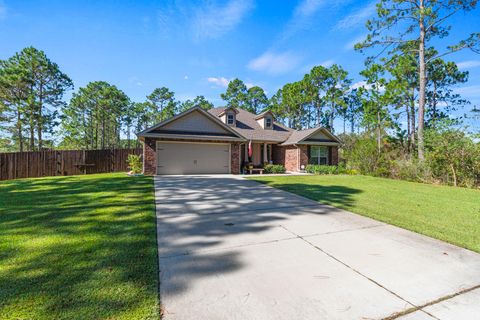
(80, 247)
(442, 212)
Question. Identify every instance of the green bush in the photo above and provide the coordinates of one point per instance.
(135, 163)
(321, 169)
(274, 168)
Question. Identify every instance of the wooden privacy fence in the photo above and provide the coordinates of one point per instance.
(63, 162)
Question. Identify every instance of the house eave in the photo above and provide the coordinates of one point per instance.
(191, 137)
(311, 143)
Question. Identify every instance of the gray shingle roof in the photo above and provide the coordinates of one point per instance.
(248, 127)
(297, 136)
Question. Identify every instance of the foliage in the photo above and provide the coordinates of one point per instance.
(93, 119)
(236, 94)
(453, 157)
(135, 163)
(362, 154)
(199, 101)
(321, 169)
(31, 91)
(162, 105)
(78, 247)
(416, 25)
(442, 212)
(274, 168)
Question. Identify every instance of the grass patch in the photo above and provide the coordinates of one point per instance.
(446, 213)
(79, 247)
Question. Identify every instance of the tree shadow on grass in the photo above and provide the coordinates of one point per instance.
(78, 248)
(327, 194)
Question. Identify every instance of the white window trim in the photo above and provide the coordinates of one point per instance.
(266, 122)
(232, 119)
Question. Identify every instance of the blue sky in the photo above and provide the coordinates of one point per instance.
(196, 47)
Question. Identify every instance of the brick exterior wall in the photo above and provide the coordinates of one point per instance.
(149, 156)
(235, 158)
(304, 154)
(334, 156)
(287, 156)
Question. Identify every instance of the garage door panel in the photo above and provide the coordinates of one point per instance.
(192, 158)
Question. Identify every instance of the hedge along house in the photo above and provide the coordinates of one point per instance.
(218, 141)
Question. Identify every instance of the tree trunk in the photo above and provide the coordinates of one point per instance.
(379, 134)
(454, 173)
(19, 132)
(331, 117)
(412, 120)
(423, 83)
(32, 130)
(39, 117)
(409, 137)
(434, 105)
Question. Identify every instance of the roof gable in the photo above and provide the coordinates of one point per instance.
(317, 135)
(194, 121)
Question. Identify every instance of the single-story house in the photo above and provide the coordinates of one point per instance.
(221, 140)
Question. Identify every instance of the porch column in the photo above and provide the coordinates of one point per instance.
(246, 152)
(265, 158)
(270, 153)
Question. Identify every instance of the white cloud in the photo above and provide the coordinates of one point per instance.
(213, 21)
(185, 77)
(351, 44)
(307, 8)
(468, 64)
(327, 63)
(358, 84)
(3, 10)
(309, 67)
(249, 85)
(305, 12)
(274, 63)
(469, 91)
(219, 81)
(356, 18)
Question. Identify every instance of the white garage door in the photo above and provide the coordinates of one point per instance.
(192, 158)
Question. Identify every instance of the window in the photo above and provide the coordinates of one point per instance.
(230, 118)
(319, 155)
(268, 122)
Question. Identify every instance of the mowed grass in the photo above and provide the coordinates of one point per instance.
(79, 247)
(446, 213)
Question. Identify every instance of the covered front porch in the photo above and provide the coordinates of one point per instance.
(261, 153)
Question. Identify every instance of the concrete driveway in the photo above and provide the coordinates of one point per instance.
(231, 248)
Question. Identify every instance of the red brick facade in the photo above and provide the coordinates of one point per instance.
(334, 156)
(286, 156)
(304, 154)
(292, 157)
(149, 156)
(235, 158)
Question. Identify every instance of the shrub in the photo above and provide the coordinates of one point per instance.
(135, 163)
(274, 168)
(321, 169)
